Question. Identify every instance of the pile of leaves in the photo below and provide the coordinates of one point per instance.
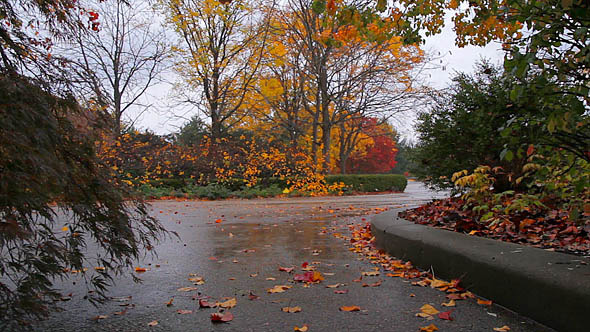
(548, 227)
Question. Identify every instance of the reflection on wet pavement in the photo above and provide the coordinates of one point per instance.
(241, 255)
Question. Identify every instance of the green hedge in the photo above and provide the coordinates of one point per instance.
(370, 182)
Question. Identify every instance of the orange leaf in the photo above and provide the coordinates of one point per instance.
(301, 329)
(217, 221)
(484, 302)
(153, 323)
(169, 303)
(350, 308)
(429, 310)
(504, 328)
(140, 269)
(291, 309)
(429, 328)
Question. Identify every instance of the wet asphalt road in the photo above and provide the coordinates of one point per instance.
(242, 254)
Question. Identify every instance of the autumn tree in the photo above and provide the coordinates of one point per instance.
(56, 197)
(218, 57)
(117, 58)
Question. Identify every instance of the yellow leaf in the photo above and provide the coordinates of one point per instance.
(429, 310)
(187, 289)
(301, 329)
(291, 309)
(451, 303)
(278, 289)
(436, 283)
(197, 280)
(65, 228)
(502, 329)
(153, 323)
(229, 303)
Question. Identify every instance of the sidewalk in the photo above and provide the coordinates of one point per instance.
(550, 287)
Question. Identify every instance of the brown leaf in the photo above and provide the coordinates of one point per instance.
(375, 284)
(205, 304)
(286, 269)
(344, 291)
(253, 297)
(218, 317)
(350, 308)
(184, 312)
(291, 309)
(504, 328)
(99, 317)
(169, 303)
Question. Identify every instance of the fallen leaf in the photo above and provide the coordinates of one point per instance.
(344, 291)
(301, 329)
(99, 268)
(217, 221)
(153, 323)
(446, 315)
(271, 278)
(169, 303)
(197, 280)
(502, 329)
(140, 269)
(484, 302)
(253, 297)
(375, 284)
(229, 303)
(99, 317)
(65, 228)
(429, 328)
(435, 283)
(334, 286)
(278, 289)
(412, 295)
(218, 317)
(370, 273)
(187, 289)
(451, 303)
(429, 310)
(455, 297)
(184, 312)
(291, 309)
(254, 275)
(286, 269)
(350, 308)
(205, 304)
(120, 313)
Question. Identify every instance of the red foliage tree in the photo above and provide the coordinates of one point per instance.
(380, 157)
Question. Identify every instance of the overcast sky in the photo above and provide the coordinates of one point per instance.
(164, 120)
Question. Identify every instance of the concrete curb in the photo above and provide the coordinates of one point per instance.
(550, 287)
